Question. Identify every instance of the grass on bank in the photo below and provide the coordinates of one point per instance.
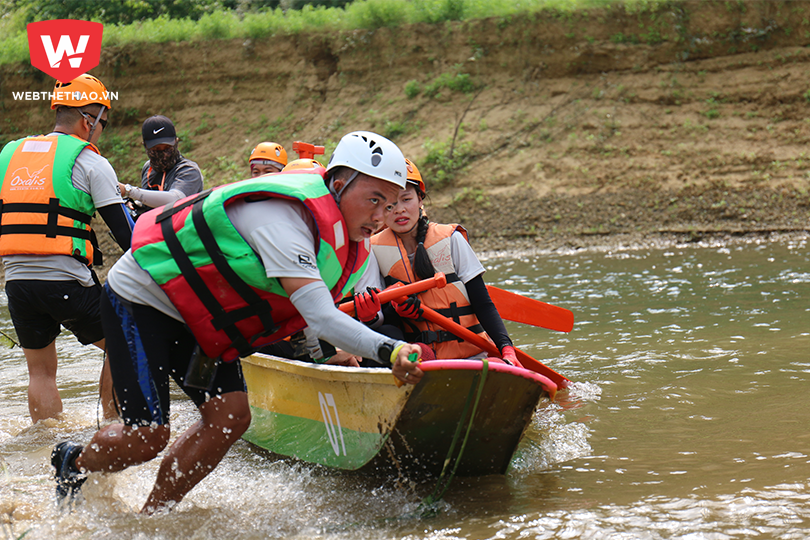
(359, 15)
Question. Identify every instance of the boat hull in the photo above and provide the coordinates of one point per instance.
(358, 419)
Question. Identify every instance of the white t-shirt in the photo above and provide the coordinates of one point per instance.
(464, 260)
(94, 175)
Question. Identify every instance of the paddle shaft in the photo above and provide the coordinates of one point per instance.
(517, 308)
(396, 291)
(489, 347)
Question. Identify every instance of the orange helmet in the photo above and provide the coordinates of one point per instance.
(269, 151)
(413, 175)
(83, 90)
(303, 163)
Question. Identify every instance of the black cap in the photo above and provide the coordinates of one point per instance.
(158, 130)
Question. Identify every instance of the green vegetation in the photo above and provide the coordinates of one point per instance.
(476, 196)
(444, 160)
(223, 171)
(455, 82)
(413, 88)
(396, 128)
(124, 149)
(158, 21)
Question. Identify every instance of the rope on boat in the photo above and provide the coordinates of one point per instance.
(427, 506)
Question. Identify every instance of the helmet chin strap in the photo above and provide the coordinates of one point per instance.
(98, 117)
(337, 194)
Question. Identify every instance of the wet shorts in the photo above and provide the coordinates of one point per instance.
(40, 308)
(145, 348)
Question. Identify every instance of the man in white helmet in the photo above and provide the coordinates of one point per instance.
(217, 275)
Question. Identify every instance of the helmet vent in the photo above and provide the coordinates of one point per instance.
(376, 156)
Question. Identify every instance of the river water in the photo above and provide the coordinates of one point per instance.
(687, 419)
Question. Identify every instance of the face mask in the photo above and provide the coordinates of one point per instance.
(163, 160)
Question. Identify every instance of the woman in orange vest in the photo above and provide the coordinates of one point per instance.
(412, 248)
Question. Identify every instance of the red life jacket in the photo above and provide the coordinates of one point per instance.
(215, 279)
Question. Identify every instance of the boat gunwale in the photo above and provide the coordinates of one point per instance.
(381, 375)
(321, 371)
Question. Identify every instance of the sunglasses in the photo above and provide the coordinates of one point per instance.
(92, 119)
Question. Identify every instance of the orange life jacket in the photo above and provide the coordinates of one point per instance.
(41, 212)
(452, 301)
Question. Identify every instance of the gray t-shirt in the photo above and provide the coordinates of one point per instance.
(94, 175)
(159, 188)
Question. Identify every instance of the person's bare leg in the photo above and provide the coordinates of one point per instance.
(43, 394)
(105, 386)
(198, 451)
(117, 446)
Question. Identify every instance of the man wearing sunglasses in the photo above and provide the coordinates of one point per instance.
(51, 187)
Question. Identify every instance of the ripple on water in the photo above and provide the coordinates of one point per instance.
(695, 429)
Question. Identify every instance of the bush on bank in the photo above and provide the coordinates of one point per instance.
(159, 21)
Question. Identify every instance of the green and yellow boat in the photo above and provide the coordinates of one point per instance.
(470, 411)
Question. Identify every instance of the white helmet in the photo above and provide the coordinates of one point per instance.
(370, 154)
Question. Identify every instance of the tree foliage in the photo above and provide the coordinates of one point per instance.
(129, 11)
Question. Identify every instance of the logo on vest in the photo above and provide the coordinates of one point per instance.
(65, 48)
(306, 262)
(443, 257)
(23, 179)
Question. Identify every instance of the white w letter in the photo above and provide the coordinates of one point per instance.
(65, 48)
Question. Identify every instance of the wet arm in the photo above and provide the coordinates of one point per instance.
(312, 300)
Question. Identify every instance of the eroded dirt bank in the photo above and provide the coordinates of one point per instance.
(603, 126)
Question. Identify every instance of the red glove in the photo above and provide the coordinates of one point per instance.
(410, 308)
(367, 305)
(509, 355)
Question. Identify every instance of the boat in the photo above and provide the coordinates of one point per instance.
(470, 412)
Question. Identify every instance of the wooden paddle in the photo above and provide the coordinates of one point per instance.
(517, 308)
(487, 346)
(398, 290)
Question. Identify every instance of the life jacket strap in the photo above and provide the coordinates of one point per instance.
(440, 336)
(257, 306)
(220, 318)
(169, 211)
(53, 209)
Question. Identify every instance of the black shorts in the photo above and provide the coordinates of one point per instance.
(39, 308)
(144, 348)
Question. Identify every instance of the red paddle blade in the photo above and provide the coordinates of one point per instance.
(538, 367)
(517, 308)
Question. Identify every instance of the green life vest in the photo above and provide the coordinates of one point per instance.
(215, 279)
